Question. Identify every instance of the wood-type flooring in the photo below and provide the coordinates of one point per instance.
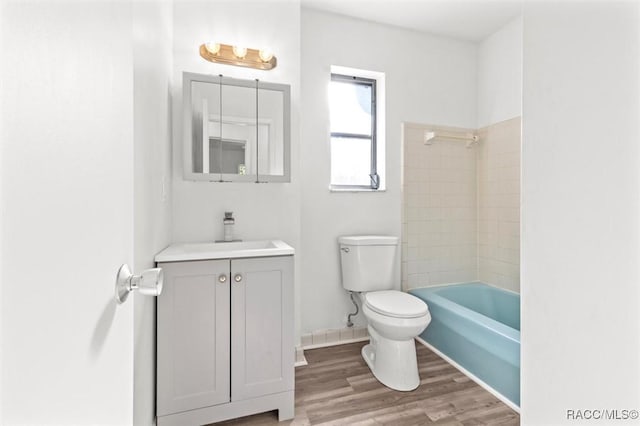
(337, 388)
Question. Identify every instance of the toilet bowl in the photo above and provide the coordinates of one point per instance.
(394, 318)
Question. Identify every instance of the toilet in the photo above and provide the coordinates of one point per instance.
(394, 318)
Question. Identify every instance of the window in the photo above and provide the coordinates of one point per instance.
(352, 105)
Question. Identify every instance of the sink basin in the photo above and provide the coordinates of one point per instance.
(205, 251)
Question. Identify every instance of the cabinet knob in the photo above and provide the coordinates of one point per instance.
(237, 278)
(222, 278)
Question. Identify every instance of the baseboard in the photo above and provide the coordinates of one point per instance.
(301, 361)
(470, 375)
(336, 343)
(327, 338)
(333, 336)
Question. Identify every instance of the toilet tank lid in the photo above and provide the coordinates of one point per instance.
(368, 240)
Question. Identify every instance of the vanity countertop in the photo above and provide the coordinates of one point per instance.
(224, 250)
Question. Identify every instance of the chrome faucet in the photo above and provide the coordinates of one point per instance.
(228, 221)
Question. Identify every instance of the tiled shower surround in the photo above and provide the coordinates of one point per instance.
(461, 214)
(440, 235)
(499, 205)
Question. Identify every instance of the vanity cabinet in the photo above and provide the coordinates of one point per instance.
(225, 340)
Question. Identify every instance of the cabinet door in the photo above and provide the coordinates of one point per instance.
(193, 336)
(262, 327)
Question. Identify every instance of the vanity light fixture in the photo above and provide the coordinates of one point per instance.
(265, 55)
(239, 56)
(212, 48)
(239, 52)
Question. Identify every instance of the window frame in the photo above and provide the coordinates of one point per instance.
(374, 177)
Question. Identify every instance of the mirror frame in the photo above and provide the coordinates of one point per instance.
(187, 79)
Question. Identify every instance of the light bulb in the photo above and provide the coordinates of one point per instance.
(213, 48)
(265, 55)
(240, 52)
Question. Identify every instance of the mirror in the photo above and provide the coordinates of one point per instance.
(235, 130)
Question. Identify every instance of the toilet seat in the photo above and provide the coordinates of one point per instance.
(395, 304)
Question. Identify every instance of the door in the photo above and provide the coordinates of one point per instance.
(262, 326)
(67, 213)
(193, 336)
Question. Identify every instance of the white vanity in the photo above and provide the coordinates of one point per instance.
(225, 332)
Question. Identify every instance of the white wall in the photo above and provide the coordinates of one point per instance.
(500, 75)
(427, 79)
(67, 201)
(152, 70)
(580, 215)
(262, 211)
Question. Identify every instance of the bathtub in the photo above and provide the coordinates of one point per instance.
(478, 327)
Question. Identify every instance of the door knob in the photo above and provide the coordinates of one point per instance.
(149, 282)
(222, 278)
(237, 278)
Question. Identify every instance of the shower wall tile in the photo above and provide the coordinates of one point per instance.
(461, 208)
(440, 227)
(499, 204)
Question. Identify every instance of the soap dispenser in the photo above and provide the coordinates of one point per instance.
(228, 221)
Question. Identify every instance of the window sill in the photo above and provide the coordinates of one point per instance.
(347, 189)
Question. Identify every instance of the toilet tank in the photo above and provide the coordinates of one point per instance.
(368, 262)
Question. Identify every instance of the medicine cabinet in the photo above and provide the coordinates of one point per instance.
(235, 130)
